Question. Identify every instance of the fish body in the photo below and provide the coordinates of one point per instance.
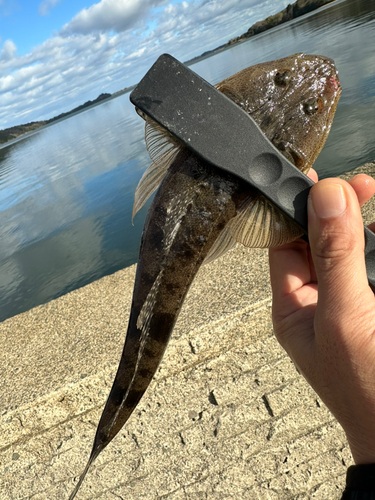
(199, 212)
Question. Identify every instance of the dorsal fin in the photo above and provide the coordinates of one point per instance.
(162, 148)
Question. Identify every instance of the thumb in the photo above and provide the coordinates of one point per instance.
(336, 237)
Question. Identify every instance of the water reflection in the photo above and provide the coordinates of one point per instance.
(65, 205)
(66, 191)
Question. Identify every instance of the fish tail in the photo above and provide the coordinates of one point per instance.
(189, 211)
(94, 453)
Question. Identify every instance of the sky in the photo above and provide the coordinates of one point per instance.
(58, 54)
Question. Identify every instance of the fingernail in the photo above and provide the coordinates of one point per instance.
(328, 200)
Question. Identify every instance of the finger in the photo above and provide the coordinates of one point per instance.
(313, 175)
(290, 264)
(289, 267)
(364, 186)
(337, 245)
(293, 280)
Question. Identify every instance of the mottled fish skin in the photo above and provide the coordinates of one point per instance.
(294, 101)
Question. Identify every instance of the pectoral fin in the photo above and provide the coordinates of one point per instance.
(258, 224)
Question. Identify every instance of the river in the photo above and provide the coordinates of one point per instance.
(66, 191)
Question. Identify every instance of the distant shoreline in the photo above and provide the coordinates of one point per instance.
(292, 11)
(13, 133)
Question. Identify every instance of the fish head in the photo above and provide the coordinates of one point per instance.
(292, 99)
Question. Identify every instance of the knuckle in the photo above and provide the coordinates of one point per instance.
(334, 244)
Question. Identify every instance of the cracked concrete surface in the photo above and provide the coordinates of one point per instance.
(227, 415)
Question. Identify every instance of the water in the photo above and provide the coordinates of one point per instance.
(66, 192)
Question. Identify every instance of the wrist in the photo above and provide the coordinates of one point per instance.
(363, 450)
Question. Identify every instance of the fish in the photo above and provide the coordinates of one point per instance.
(200, 212)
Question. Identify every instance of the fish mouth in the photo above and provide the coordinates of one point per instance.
(333, 86)
(336, 83)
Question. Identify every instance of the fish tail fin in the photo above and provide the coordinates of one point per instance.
(94, 453)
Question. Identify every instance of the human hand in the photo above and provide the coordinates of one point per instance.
(324, 310)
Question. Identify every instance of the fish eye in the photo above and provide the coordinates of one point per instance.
(283, 78)
(313, 105)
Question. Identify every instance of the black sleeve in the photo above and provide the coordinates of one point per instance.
(360, 483)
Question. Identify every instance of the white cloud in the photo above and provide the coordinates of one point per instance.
(191, 28)
(94, 53)
(138, 53)
(110, 15)
(8, 51)
(46, 6)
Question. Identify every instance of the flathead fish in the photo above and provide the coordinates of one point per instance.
(199, 212)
